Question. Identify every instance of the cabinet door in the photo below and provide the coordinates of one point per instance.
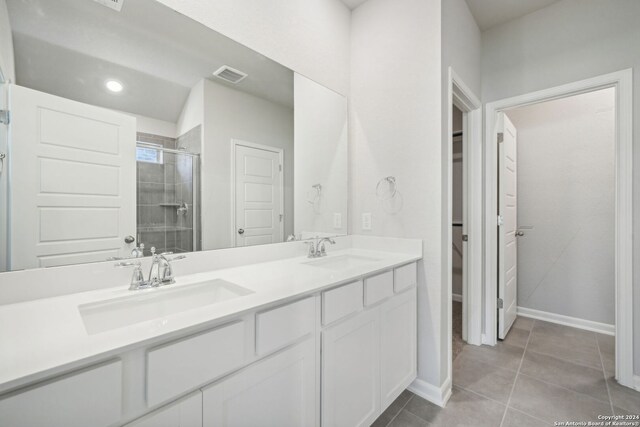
(351, 371)
(398, 346)
(279, 391)
(184, 413)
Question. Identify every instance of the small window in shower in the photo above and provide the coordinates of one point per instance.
(149, 155)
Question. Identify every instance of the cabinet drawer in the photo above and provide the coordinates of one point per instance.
(378, 287)
(186, 412)
(341, 302)
(404, 277)
(180, 366)
(91, 397)
(284, 325)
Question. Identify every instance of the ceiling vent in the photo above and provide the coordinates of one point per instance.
(229, 74)
(111, 4)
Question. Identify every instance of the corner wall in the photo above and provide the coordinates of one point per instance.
(395, 129)
(568, 41)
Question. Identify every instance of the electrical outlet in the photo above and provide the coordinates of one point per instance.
(366, 221)
(337, 221)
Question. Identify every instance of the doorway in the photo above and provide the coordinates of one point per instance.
(619, 233)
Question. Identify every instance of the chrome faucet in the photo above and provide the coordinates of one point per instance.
(317, 247)
(160, 273)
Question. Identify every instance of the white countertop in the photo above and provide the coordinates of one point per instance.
(46, 337)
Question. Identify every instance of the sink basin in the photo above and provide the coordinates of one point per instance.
(341, 262)
(152, 304)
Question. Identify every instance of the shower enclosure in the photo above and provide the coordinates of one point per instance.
(168, 206)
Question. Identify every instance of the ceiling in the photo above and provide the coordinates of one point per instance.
(489, 13)
(70, 48)
(352, 4)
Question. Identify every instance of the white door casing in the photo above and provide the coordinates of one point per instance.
(73, 174)
(507, 211)
(258, 205)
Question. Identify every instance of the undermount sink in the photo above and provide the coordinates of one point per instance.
(341, 262)
(155, 304)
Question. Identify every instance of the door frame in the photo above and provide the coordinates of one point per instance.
(280, 151)
(460, 95)
(622, 81)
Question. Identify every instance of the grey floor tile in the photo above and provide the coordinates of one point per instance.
(578, 378)
(624, 397)
(463, 409)
(580, 348)
(501, 355)
(515, 418)
(607, 345)
(554, 329)
(517, 337)
(524, 323)
(407, 419)
(488, 380)
(552, 403)
(393, 409)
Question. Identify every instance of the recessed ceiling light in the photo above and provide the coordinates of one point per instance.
(114, 86)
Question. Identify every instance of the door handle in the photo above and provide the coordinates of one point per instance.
(129, 239)
(240, 230)
(519, 233)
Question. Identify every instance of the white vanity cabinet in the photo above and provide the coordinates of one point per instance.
(186, 412)
(279, 391)
(369, 358)
(398, 345)
(351, 371)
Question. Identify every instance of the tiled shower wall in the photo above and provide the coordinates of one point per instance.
(161, 189)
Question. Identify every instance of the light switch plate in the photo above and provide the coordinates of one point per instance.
(366, 221)
(337, 220)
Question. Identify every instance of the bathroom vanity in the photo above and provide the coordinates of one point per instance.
(329, 341)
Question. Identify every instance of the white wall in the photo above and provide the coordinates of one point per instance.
(566, 193)
(320, 157)
(565, 42)
(192, 113)
(155, 126)
(231, 114)
(395, 130)
(309, 36)
(6, 44)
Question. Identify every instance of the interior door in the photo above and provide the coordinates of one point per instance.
(258, 195)
(73, 175)
(507, 214)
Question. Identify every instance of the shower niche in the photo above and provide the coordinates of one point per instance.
(167, 187)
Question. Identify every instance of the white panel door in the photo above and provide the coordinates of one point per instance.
(73, 175)
(398, 345)
(507, 210)
(351, 371)
(279, 391)
(258, 195)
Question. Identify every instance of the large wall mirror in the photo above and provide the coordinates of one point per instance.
(141, 126)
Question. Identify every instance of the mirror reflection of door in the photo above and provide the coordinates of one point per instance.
(258, 194)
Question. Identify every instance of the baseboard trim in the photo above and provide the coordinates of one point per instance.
(456, 297)
(636, 382)
(436, 395)
(560, 319)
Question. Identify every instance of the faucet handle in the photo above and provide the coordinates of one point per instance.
(312, 248)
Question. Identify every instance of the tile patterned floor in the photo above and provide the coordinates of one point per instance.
(541, 373)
